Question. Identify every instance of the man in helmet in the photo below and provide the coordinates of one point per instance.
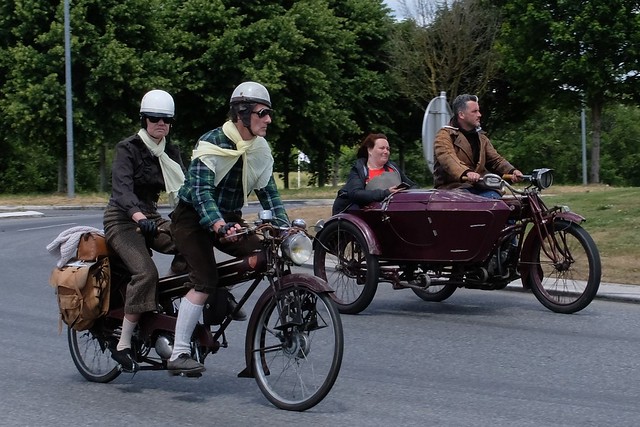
(227, 164)
(144, 165)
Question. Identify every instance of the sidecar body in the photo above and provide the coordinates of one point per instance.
(433, 226)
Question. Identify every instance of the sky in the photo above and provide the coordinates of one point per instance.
(393, 5)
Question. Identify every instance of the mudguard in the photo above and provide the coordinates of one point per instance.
(286, 282)
(372, 242)
(532, 237)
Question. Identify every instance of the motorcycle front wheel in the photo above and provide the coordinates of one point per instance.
(297, 348)
(342, 258)
(92, 356)
(564, 269)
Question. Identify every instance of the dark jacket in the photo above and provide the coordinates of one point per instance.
(354, 189)
(136, 176)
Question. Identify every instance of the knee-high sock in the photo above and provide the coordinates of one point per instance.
(188, 316)
(125, 335)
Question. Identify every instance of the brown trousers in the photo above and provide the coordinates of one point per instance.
(122, 236)
(196, 245)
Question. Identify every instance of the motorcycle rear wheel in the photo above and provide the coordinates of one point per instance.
(568, 283)
(91, 356)
(341, 257)
(297, 348)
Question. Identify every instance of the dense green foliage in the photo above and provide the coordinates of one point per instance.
(336, 70)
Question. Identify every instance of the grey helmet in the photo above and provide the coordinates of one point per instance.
(251, 93)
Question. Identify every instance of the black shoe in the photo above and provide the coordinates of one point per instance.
(125, 358)
(240, 315)
(185, 365)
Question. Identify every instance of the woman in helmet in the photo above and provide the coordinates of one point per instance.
(227, 164)
(145, 164)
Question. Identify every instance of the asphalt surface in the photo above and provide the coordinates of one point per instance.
(607, 291)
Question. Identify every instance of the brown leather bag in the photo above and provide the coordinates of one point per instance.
(92, 246)
(82, 293)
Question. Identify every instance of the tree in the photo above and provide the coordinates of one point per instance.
(320, 59)
(114, 61)
(572, 51)
(445, 47)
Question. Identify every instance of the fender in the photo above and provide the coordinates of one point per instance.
(286, 282)
(372, 242)
(532, 238)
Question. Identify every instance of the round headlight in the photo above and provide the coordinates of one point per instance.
(297, 247)
(543, 178)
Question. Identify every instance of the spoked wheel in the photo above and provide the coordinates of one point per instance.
(342, 258)
(297, 348)
(565, 271)
(91, 356)
(436, 292)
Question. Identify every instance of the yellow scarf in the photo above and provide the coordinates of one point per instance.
(171, 171)
(256, 158)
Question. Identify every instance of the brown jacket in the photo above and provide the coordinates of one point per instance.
(453, 157)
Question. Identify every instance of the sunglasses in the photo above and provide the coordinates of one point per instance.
(263, 112)
(167, 120)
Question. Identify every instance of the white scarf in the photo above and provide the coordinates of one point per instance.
(256, 157)
(171, 171)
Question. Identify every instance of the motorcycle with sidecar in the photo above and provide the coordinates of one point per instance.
(436, 241)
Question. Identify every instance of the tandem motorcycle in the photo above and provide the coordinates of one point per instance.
(436, 241)
(294, 340)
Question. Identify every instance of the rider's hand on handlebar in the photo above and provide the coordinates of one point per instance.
(473, 177)
(226, 231)
(517, 176)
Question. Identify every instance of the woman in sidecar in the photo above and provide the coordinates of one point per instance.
(373, 176)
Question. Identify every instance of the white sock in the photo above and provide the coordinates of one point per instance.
(188, 316)
(125, 335)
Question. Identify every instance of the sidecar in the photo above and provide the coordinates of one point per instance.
(411, 231)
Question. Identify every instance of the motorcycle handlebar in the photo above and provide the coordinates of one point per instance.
(239, 234)
(506, 177)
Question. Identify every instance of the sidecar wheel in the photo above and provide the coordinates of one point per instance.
(565, 270)
(342, 258)
(436, 293)
(91, 356)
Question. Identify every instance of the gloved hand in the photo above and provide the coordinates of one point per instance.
(148, 228)
(222, 231)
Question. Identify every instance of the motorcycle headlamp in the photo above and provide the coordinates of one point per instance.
(542, 178)
(297, 247)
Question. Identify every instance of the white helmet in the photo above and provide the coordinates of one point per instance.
(157, 103)
(251, 92)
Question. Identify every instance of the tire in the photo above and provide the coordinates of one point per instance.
(436, 293)
(341, 258)
(91, 356)
(570, 282)
(296, 361)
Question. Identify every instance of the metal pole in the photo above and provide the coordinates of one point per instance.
(299, 168)
(584, 146)
(67, 75)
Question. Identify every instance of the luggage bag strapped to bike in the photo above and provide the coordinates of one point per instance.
(83, 286)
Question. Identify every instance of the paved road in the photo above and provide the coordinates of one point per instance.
(478, 359)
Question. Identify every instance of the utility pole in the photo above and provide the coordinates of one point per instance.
(67, 76)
